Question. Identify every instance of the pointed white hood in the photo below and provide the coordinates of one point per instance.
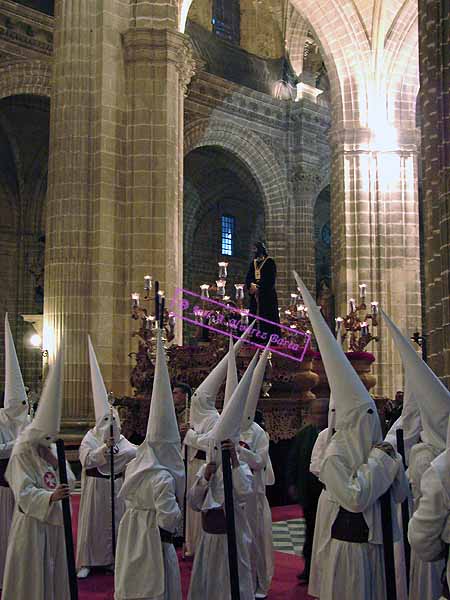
(14, 414)
(203, 404)
(44, 428)
(228, 426)
(160, 451)
(357, 420)
(431, 395)
(331, 426)
(102, 406)
(232, 374)
(255, 390)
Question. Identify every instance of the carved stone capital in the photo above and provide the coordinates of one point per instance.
(306, 178)
(186, 66)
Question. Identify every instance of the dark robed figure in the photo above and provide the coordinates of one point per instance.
(260, 283)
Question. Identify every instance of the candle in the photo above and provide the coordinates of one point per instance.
(223, 270)
(301, 309)
(374, 306)
(157, 301)
(339, 321)
(244, 316)
(362, 290)
(172, 319)
(364, 329)
(221, 287)
(294, 298)
(147, 283)
(239, 291)
(135, 299)
(352, 305)
(204, 290)
(149, 322)
(287, 312)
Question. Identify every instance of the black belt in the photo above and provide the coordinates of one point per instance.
(166, 536)
(214, 521)
(350, 527)
(94, 472)
(3, 465)
(200, 455)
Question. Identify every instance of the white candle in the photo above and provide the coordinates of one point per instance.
(221, 287)
(362, 290)
(339, 321)
(204, 290)
(364, 329)
(147, 283)
(223, 270)
(135, 299)
(374, 306)
(352, 305)
(239, 291)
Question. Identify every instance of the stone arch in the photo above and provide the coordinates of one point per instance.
(263, 165)
(31, 77)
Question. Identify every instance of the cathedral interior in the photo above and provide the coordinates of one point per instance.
(161, 137)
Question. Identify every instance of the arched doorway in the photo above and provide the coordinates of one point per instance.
(223, 216)
(24, 133)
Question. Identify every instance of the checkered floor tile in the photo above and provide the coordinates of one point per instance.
(288, 536)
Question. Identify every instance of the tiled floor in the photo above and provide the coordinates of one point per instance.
(288, 536)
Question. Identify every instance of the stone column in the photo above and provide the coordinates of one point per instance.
(85, 270)
(374, 212)
(434, 97)
(159, 66)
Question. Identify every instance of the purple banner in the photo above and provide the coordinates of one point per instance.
(225, 319)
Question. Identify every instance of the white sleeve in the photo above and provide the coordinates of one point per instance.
(6, 449)
(318, 452)
(428, 521)
(356, 491)
(32, 500)
(258, 457)
(168, 514)
(91, 458)
(198, 491)
(242, 482)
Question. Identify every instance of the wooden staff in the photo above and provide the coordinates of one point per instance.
(405, 508)
(186, 461)
(388, 545)
(67, 519)
(231, 527)
(112, 482)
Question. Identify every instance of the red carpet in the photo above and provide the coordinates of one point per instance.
(99, 586)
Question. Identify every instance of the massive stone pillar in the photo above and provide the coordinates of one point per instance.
(158, 69)
(84, 291)
(375, 218)
(434, 96)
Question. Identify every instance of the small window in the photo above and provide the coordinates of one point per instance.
(228, 228)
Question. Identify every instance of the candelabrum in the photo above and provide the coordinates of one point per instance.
(150, 311)
(359, 326)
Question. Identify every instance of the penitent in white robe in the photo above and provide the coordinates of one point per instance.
(257, 507)
(351, 570)
(425, 579)
(429, 527)
(146, 568)
(6, 501)
(195, 441)
(94, 548)
(36, 559)
(210, 574)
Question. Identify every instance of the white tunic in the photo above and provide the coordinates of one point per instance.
(257, 507)
(146, 568)
(94, 546)
(210, 574)
(351, 570)
(36, 559)
(425, 579)
(429, 528)
(6, 501)
(195, 441)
